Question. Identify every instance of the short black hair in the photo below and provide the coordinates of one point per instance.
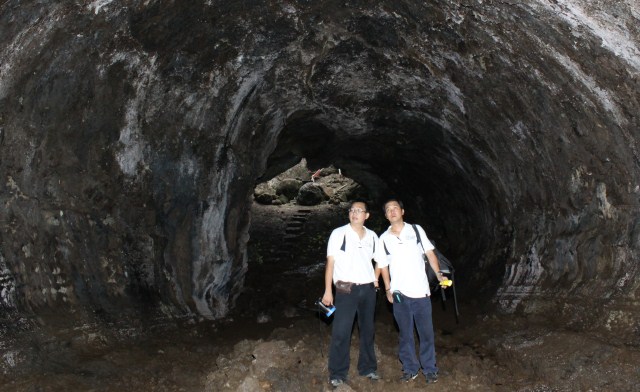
(384, 206)
(366, 206)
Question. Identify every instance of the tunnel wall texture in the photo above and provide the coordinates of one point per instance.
(132, 134)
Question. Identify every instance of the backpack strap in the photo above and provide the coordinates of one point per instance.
(418, 239)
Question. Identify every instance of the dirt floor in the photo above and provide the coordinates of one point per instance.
(276, 341)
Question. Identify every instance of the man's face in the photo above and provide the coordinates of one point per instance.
(358, 213)
(393, 212)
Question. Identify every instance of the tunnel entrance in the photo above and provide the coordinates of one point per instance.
(409, 157)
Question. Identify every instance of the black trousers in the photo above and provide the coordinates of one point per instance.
(360, 303)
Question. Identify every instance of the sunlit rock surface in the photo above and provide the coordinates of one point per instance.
(132, 135)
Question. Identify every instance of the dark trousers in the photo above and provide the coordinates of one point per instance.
(361, 302)
(409, 312)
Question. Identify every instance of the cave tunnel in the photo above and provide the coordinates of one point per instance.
(133, 134)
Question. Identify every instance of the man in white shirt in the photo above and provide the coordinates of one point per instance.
(399, 255)
(350, 267)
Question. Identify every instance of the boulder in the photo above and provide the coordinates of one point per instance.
(288, 187)
(311, 194)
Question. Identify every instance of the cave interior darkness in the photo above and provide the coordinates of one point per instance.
(133, 135)
(132, 138)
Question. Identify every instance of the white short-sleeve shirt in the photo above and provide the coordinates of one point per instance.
(404, 256)
(352, 256)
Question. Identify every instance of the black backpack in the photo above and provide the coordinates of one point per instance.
(446, 267)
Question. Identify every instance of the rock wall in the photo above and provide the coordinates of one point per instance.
(132, 134)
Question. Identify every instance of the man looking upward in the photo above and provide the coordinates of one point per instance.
(350, 267)
(400, 258)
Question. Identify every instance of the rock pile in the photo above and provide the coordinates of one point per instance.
(301, 186)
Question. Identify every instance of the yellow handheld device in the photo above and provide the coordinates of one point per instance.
(446, 283)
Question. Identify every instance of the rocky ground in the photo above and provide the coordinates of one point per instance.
(275, 341)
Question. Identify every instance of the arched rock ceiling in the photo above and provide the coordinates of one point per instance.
(132, 134)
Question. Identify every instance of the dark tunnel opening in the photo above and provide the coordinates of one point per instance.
(434, 174)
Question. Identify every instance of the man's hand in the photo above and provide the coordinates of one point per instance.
(389, 296)
(442, 278)
(327, 298)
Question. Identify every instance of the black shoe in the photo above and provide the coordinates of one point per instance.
(431, 377)
(406, 377)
